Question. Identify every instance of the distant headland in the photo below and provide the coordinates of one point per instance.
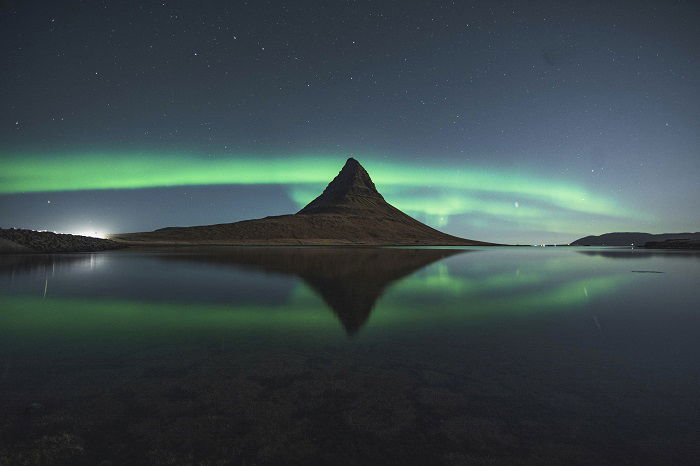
(650, 240)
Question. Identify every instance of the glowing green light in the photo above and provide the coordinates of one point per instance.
(29, 173)
(74, 315)
(441, 282)
(528, 200)
(304, 315)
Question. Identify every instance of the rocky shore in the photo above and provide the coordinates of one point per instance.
(13, 240)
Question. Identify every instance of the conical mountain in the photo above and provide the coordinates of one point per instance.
(351, 189)
(350, 211)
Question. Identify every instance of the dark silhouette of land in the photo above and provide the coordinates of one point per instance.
(350, 211)
(18, 241)
(674, 244)
(634, 239)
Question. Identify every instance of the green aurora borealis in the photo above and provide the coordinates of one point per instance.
(435, 194)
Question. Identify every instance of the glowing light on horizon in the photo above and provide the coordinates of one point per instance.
(90, 233)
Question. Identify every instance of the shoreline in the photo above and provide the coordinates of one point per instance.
(21, 241)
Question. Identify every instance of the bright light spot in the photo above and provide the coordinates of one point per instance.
(89, 232)
(516, 204)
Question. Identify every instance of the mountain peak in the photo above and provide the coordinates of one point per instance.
(352, 186)
(352, 165)
(354, 178)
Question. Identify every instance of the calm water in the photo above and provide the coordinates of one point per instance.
(350, 356)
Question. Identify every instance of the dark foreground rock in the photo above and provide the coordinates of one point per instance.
(13, 240)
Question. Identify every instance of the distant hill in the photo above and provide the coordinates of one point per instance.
(674, 244)
(632, 238)
(350, 211)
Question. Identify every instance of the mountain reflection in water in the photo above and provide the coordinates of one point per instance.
(350, 280)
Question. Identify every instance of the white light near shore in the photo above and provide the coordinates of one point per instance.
(94, 234)
(88, 232)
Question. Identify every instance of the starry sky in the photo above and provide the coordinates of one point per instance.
(520, 122)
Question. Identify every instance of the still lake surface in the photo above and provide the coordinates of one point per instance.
(350, 356)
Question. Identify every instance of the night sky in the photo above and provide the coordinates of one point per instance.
(523, 122)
